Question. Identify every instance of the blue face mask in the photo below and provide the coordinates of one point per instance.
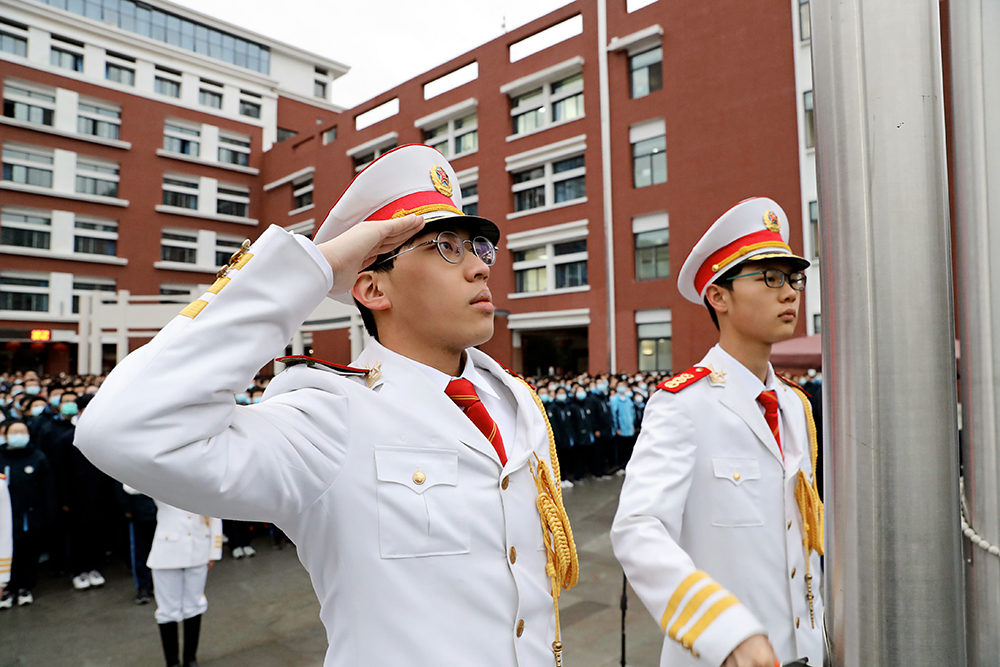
(18, 440)
(242, 399)
(643, 386)
(33, 390)
(68, 409)
(55, 400)
(37, 410)
(256, 399)
(16, 390)
(561, 398)
(620, 390)
(544, 397)
(580, 395)
(638, 399)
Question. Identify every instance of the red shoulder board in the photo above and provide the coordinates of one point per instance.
(793, 384)
(3, 476)
(685, 379)
(297, 359)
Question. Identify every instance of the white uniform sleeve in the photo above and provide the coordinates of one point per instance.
(690, 606)
(215, 527)
(166, 422)
(6, 533)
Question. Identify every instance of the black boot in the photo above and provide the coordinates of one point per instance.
(192, 628)
(168, 635)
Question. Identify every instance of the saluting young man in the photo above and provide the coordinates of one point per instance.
(719, 526)
(408, 483)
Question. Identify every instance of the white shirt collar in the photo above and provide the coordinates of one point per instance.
(750, 381)
(469, 372)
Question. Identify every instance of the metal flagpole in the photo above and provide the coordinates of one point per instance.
(893, 589)
(975, 64)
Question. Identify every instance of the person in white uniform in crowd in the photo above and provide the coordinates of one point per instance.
(720, 526)
(410, 483)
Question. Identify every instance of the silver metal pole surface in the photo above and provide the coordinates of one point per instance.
(975, 52)
(893, 587)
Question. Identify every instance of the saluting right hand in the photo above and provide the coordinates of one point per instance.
(361, 244)
(756, 651)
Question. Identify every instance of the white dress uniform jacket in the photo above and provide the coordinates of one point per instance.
(708, 529)
(183, 539)
(6, 533)
(445, 567)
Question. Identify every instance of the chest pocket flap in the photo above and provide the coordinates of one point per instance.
(416, 469)
(736, 470)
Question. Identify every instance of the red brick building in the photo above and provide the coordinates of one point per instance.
(701, 110)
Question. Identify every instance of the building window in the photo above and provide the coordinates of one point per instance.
(362, 160)
(119, 74)
(555, 182)
(83, 285)
(654, 347)
(817, 324)
(805, 27)
(66, 59)
(470, 198)
(167, 85)
(456, 137)
(649, 162)
(233, 200)
(225, 246)
(284, 135)
(814, 226)
(177, 290)
(302, 193)
(25, 230)
(551, 103)
(24, 292)
(179, 245)
(98, 120)
(181, 139)
(11, 43)
(810, 122)
(96, 178)
(550, 267)
(319, 89)
(27, 166)
(234, 149)
(180, 193)
(248, 108)
(92, 236)
(646, 72)
(30, 105)
(329, 136)
(210, 98)
(652, 254)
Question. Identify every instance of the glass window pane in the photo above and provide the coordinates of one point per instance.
(570, 189)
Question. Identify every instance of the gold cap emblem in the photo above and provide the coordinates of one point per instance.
(771, 222)
(442, 183)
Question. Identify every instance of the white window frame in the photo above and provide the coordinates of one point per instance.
(644, 131)
(545, 157)
(251, 98)
(231, 196)
(183, 290)
(66, 47)
(445, 120)
(548, 238)
(377, 146)
(180, 189)
(305, 228)
(183, 131)
(237, 143)
(172, 77)
(28, 289)
(7, 223)
(302, 186)
(100, 105)
(650, 222)
(228, 244)
(465, 179)
(329, 135)
(97, 169)
(15, 32)
(661, 317)
(48, 164)
(190, 244)
(211, 88)
(103, 234)
(544, 80)
(31, 94)
(121, 64)
(79, 292)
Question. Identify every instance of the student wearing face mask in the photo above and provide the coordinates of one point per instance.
(640, 409)
(603, 426)
(32, 495)
(563, 422)
(623, 414)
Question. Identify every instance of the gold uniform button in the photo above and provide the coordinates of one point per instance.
(793, 573)
(736, 476)
(513, 555)
(796, 622)
(505, 483)
(789, 525)
(520, 627)
(419, 477)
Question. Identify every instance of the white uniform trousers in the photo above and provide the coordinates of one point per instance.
(180, 593)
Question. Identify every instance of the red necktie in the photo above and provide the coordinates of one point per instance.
(464, 394)
(769, 400)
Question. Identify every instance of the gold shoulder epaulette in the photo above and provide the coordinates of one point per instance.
(685, 379)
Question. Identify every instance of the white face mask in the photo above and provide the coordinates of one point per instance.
(17, 440)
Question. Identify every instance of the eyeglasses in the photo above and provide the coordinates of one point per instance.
(452, 248)
(775, 278)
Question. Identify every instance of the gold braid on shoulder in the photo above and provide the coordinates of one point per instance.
(810, 504)
(562, 564)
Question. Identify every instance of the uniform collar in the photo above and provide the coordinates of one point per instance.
(377, 351)
(749, 381)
